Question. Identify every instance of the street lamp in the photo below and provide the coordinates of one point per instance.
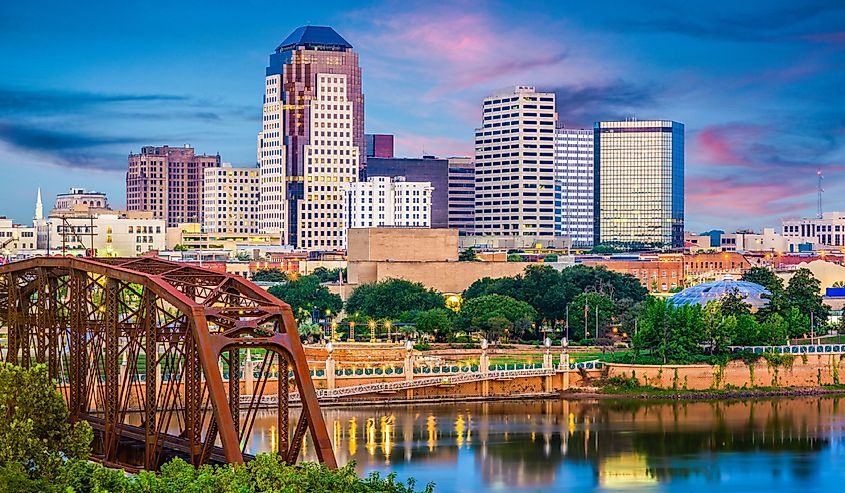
(351, 331)
(387, 325)
(372, 325)
(334, 330)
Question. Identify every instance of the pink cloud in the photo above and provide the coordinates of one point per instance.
(745, 202)
(726, 144)
(411, 144)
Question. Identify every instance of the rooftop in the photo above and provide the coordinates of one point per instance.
(314, 38)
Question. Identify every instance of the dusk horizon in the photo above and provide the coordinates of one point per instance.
(757, 85)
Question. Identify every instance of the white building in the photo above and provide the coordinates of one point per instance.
(574, 185)
(110, 234)
(813, 233)
(514, 164)
(17, 239)
(749, 241)
(382, 201)
(80, 196)
(230, 199)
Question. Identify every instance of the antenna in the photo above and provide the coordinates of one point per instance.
(820, 191)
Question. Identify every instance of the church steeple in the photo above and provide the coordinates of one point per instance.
(39, 207)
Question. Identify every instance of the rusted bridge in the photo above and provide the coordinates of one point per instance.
(138, 346)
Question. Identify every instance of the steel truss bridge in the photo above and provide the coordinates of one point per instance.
(99, 323)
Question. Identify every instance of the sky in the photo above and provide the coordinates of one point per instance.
(759, 85)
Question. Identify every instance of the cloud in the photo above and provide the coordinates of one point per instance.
(745, 203)
(583, 105)
(66, 148)
(743, 22)
(412, 144)
(51, 101)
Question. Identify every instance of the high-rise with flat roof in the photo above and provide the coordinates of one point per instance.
(383, 201)
(462, 194)
(514, 164)
(574, 185)
(639, 184)
(167, 181)
(312, 140)
(425, 169)
(230, 200)
(379, 145)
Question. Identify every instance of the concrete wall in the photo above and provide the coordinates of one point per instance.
(406, 244)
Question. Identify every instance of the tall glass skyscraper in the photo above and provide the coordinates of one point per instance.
(312, 140)
(639, 184)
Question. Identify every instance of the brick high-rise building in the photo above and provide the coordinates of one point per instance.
(168, 181)
(312, 140)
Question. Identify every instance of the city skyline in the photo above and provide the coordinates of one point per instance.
(757, 86)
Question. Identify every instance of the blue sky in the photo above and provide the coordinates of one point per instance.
(760, 85)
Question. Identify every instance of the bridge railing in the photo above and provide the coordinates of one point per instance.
(791, 349)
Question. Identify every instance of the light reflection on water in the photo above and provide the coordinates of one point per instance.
(592, 445)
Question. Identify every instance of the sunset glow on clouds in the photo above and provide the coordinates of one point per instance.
(759, 86)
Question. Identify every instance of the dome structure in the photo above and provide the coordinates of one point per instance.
(701, 294)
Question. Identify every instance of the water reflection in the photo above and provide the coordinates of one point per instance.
(543, 445)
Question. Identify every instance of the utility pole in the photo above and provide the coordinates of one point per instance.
(567, 322)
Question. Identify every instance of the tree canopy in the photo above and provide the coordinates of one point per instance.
(306, 294)
(496, 315)
(270, 275)
(390, 298)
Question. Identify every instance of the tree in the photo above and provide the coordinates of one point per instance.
(329, 275)
(773, 331)
(600, 310)
(35, 436)
(551, 258)
(388, 299)
(675, 332)
(797, 323)
(495, 315)
(270, 275)
(515, 257)
(719, 328)
(436, 322)
(764, 277)
(305, 295)
(733, 303)
(180, 248)
(468, 255)
(747, 331)
(243, 256)
(803, 291)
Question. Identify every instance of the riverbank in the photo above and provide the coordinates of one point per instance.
(650, 393)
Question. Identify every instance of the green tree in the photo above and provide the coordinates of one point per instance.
(243, 256)
(306, 294)
(495, 315)
(773, 331)
(719, 328)
(437, 322)
(674, 332)
(551, 258)
(774, 284)
(733, 303)
(270, 275)
(468, 255)
(747, 331)
(596, 303)
(515, 257)
(388, 299)
(35, 436)
(797, 323)
(803, 291)
(329, 275)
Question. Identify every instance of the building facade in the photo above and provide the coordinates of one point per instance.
(106, 234)
(426, 169)
(514, 164)
(80, 196)
(574, 185)
(462, 194)
(814, 233)
(16, 239)
(750, 241)
(639, 184)
(312, 141)
(389, 202)
(167, 181)
(379, 145)
(230, 200)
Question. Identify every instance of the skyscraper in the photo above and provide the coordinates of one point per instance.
(167, 181)
(514, 164)
(312, 140)
(574, 185)
(379, 145)
(639, 184)
(426, 169)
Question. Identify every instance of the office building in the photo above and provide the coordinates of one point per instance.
(312, 141)
(167, 181)
(639, 184)
(379, 145)
(80, 196)
(815, 233)
(16, 239)
(574, 185)
(461, 207)
(514, 164)
(230, 200)
(426, 169)
(389, 202)
(105, 233)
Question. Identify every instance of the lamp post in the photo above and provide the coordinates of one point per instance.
(330, 376)
(334, 331)
(351, 331)
(564, 353)
(387, 325)
(547, 355)
(484, 362)
(409, 360)
(372, 325)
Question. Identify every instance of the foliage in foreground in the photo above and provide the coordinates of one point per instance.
(41, 453)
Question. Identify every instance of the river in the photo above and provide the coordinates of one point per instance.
(788, 444)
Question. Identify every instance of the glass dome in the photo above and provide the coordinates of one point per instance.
(714, 290)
